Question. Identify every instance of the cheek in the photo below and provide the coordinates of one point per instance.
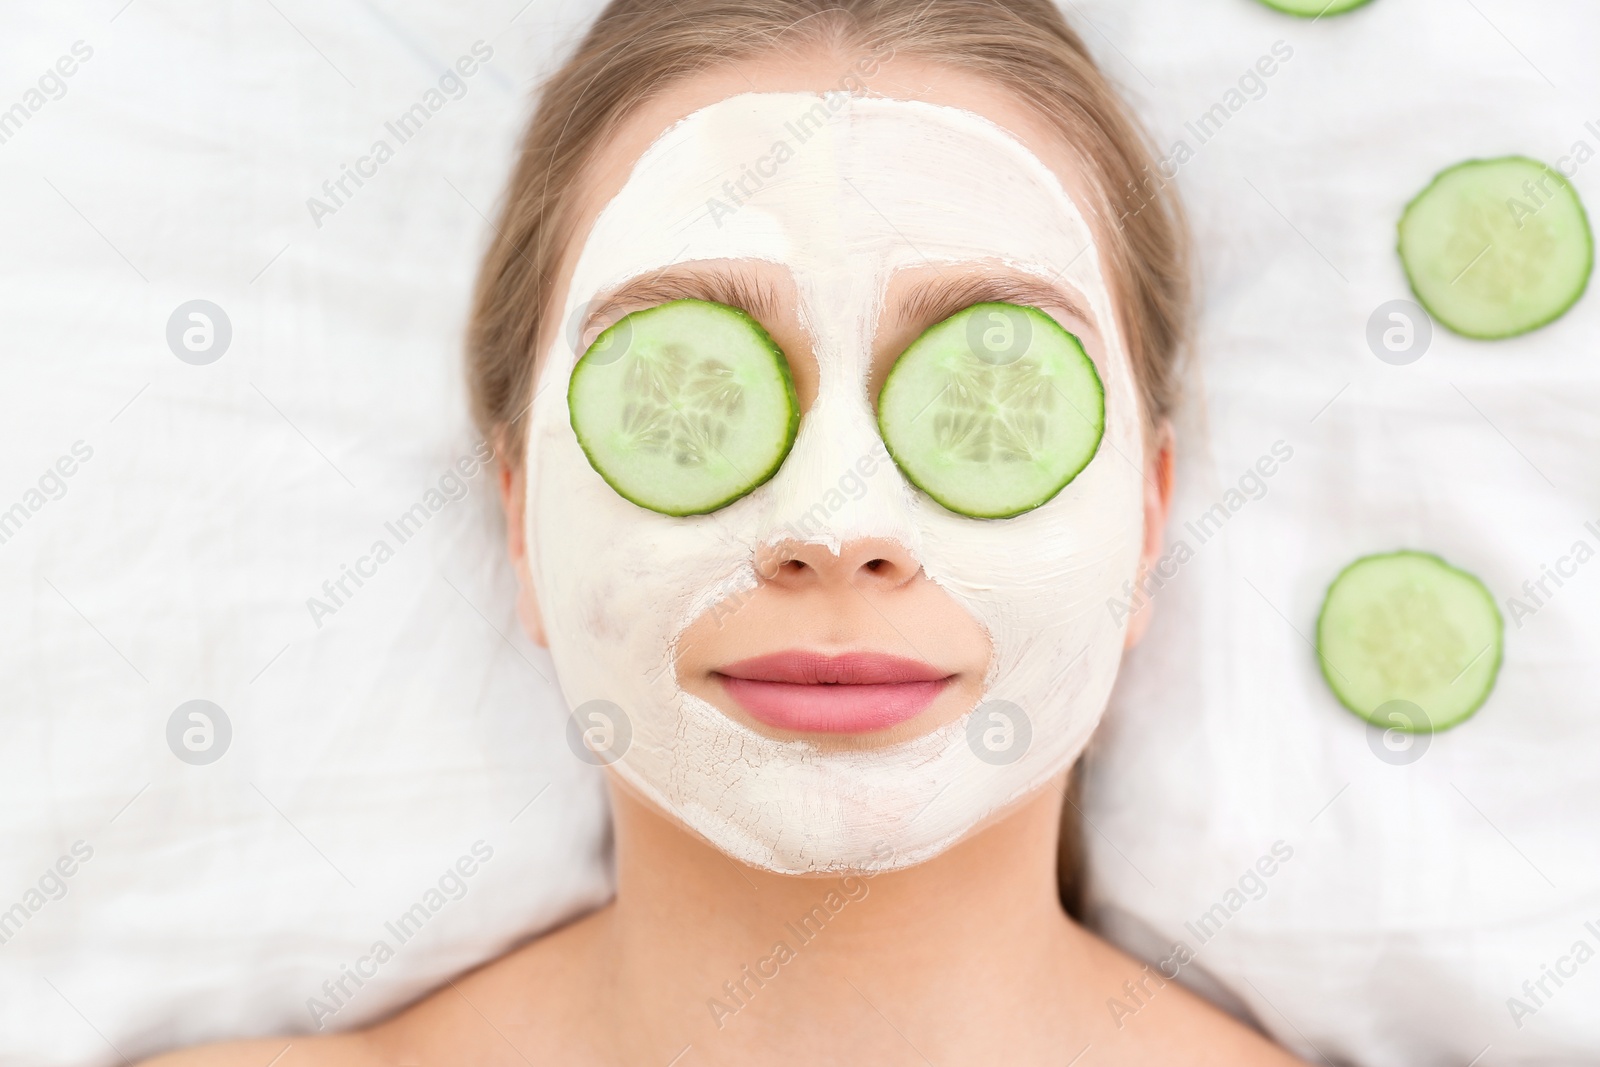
(616, 579)
(1057, 564)
(1049, 571)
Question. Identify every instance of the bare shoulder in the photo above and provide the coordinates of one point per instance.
(1148, 1017)
(527, 1001)
(531, 1002)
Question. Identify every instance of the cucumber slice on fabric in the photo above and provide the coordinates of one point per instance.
(992, 411)
(1311, 9)
(1497, 247)
(1409, 626)
(684, 407)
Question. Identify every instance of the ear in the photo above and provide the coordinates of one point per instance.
(1157, 503)
(513, 499)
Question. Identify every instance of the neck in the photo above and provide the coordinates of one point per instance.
(746, 965)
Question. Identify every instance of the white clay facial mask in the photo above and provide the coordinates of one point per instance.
(881, 186)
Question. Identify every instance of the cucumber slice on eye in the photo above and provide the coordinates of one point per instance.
(1409, 626)
(1497, 247)
(993, 411)
(1310, 9)
(685, 407)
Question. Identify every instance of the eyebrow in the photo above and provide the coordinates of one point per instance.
(716, 284)
(939, 299)
(931, 302)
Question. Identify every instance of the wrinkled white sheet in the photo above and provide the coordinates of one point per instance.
(370, 753)
(1420, 896)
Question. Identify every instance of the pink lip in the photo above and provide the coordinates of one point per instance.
(853, 693)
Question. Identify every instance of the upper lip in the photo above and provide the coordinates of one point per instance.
(799, 667)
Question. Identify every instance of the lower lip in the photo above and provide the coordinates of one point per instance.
(832, 709)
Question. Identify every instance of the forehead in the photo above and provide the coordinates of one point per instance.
(837, 185)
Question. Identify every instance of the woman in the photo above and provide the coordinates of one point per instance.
(838, 686)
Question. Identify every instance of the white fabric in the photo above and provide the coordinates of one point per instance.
(1419, 897)
(368, 754)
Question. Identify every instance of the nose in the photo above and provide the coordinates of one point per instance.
(866, 563)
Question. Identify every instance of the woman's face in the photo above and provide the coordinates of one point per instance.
(834, 672)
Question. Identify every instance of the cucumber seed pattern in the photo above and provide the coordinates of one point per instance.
(679, 405)
(995, 413)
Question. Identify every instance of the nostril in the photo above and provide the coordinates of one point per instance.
(801, 564)
(777, 565)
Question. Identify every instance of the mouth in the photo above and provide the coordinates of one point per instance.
(852, 693)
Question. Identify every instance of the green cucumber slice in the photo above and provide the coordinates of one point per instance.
(684, 407)
(1409, 626)
(1312, 9)
(1497, 247)
(992, 411)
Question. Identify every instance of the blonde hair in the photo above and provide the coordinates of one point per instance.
(638, 48)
